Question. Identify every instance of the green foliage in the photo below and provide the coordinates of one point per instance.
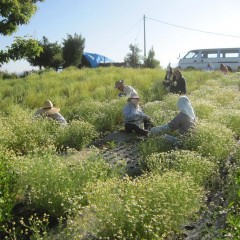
(52, 183)
(103, 115)
(151, 62)
(21, 49)
(76, 135)
(152, 145)
(233, 219)
(23, 135)
(162, 111)
(230, 118)
(202, 169)
(6, 75)
(210, 139)
(7, 186)
(73, 48)
(51, 55)
(150, 207)
(15, 13)
(133, 58)
(204, 109)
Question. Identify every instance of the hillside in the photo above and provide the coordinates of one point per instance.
(66, 182)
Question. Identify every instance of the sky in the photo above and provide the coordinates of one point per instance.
(110, 26)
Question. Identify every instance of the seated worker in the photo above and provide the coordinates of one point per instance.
(124, 90)
(168, 77)
(223, 69)
(179, 83)
(48, 110)
(209, 67)
(134, 118)
(183, 122)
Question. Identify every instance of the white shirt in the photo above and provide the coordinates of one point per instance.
(128, 90)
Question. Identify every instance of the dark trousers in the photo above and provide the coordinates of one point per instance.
(130, 127)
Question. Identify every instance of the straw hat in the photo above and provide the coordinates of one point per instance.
(48, 108)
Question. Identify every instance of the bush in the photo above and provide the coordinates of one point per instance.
(23, 135)
(51, 183)
(210, 139)
(230, 117)
(152, 145)
(7, 186)
(204, 109)
(77, 134)
(105, 116)
(202, 169)
(233, 219)
(150, 207)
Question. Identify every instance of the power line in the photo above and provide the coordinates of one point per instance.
(123, 35)
(192, 29)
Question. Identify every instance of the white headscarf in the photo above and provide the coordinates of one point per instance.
(185, 106)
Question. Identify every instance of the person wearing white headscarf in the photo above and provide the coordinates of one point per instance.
(183, 122)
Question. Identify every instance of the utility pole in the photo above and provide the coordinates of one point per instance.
(144, 37)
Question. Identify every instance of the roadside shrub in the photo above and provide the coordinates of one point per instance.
(202, 169)
(210, 139)
(149, 207)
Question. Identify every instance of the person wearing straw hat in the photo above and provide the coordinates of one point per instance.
(134, 118)
(183, 122)
(124, 90)
(48, 110)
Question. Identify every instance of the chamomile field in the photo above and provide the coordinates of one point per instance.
(49, 194)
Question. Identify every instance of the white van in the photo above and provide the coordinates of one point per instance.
(199, 58)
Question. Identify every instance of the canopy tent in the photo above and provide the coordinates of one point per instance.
(95, 59)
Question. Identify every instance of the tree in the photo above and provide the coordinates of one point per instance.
(151, 62)
(133, 58)
(15, 13)
(21, 48)
(51, 56)
(73, 48)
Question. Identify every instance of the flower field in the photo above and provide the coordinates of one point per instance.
(47, 193)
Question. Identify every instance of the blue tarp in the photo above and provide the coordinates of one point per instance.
(94, 59)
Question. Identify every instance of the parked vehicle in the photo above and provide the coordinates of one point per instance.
(199, 58)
